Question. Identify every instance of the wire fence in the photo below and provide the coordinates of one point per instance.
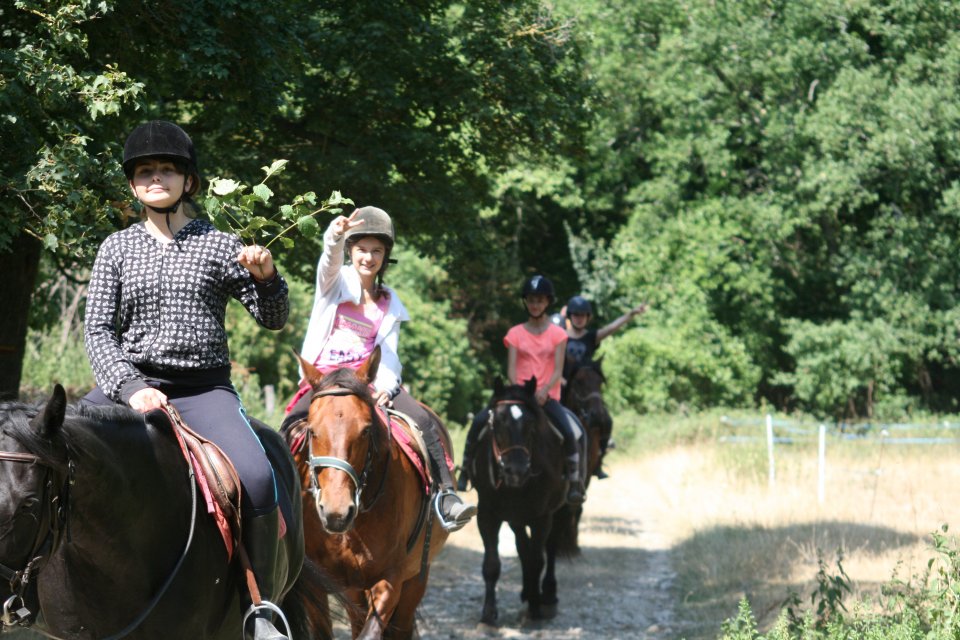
(779, 431)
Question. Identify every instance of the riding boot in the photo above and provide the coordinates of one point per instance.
(261, 539)
(575, 493)
(453, 512)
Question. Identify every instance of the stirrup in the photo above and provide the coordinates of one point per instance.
(265, 605)
(447, 525)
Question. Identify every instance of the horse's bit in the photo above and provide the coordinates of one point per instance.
(47, 539)
(317, 463)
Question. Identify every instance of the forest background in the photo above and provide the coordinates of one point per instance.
(778, 180)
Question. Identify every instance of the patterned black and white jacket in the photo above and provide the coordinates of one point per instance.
(160, 307)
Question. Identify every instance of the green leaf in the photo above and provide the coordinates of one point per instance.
(276, 167)
(308, 226)
(263, 192)
(50, 241)
(286, 242)
(223, 186)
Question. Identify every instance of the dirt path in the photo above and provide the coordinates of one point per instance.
(617, 589)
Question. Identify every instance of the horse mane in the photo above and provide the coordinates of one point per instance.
(518, 393)
(589, 365)
(346, 378)
(54, 451)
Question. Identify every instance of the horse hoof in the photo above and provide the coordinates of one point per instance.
(548, 611)
(489, 619)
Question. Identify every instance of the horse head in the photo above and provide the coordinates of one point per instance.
(517, 422)
(33, 482)
(584, 393)
(346, 437)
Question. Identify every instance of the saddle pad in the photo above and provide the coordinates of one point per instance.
(405, 439)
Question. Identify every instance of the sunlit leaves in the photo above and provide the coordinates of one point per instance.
(234, 207)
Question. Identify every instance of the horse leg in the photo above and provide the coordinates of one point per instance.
(522, 543)
(548, 589)
(489, 526)
(532, 562)
(383, 598)
(404, 619)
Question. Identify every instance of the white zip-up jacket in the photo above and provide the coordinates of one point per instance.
(338, 283)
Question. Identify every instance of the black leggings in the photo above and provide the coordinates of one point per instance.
(215, 412)
(404, 403)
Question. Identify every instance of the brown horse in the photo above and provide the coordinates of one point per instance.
(367, 514)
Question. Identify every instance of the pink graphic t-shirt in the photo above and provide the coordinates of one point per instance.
(353, 337)
(351, 341)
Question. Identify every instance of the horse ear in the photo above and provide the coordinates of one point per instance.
(530, 386)
(50, 418)
(310, 372)
(368, 370)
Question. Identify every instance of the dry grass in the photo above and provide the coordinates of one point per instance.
(732, 535)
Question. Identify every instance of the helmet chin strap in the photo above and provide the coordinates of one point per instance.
(166, 210)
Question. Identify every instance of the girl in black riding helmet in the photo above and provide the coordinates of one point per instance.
(536, 349)
(154, 327)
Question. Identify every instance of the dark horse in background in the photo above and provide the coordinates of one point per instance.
(102, 534)
(518, 475)
(368, 519)
(583, 395)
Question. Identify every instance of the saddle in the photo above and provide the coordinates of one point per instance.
(215, 475)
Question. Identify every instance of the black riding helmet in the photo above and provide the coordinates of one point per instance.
(540, 285)
(164, 141)
(579, 304)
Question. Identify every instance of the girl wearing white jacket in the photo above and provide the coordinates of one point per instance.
(353, 313)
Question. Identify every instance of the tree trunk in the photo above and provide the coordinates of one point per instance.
(18, 271)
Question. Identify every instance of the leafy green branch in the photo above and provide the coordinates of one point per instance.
(231, 206)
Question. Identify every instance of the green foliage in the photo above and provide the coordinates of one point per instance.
(828, 598)
(440, 367)
(841, 367)
(924, 608)
(232, 210)
(682, 367)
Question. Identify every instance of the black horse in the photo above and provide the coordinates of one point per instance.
(518, 475)
(104, 535)
(583, 395)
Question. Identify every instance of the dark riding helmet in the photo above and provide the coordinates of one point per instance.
(579, 304)
(164, 140)
(538, 285)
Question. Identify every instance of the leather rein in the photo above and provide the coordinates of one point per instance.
(46, 541)
(318, 463)
(499, 453)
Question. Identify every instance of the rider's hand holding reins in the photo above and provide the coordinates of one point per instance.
(258, 261)
(147, 400)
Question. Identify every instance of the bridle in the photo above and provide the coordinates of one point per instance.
(318, 463)
(46, 541)
(497, 453)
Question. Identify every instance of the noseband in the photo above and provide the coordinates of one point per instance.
(318, 463)
(45, 542)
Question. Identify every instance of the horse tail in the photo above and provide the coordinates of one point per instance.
(307, 604)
